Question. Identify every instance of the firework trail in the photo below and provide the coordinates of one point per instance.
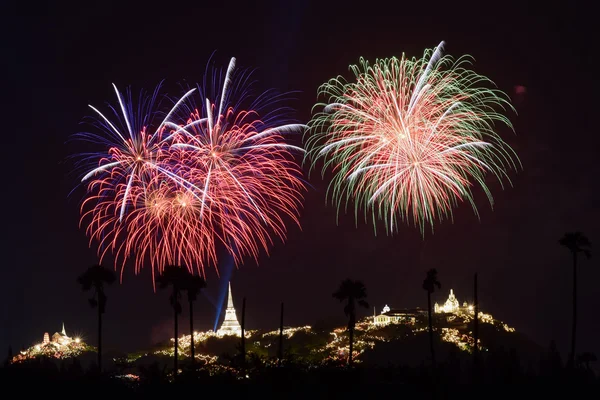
(169, 190)
(409, 138)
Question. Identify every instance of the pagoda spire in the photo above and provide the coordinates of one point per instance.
(230, 298)
(63, 330)
(230, 325)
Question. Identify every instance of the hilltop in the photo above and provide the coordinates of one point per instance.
(393, 338)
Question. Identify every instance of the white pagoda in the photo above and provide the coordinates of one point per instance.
(230, 325)
(450, 306)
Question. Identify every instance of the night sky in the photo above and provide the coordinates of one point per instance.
(59, 63)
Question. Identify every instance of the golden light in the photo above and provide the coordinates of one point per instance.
(77, 340)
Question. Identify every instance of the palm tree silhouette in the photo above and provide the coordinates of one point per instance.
(193, 285)
(429, 285)
(176, 277)
(355, 292)
(576, 243)
(96, 277)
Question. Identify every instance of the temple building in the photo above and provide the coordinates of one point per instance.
(60, 337)
(59, 346)
(451, 306)
(230, 325)
(397, 316)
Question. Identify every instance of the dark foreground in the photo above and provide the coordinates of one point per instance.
(448, 381)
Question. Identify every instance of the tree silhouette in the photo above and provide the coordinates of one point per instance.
(280, 349)
(429, 285)
(9, 356)
(96, 277)
(243, 337)
(355, 293)
(176, 277)
(576, 243)
(193, 285)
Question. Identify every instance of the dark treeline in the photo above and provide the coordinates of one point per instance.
(497, 367)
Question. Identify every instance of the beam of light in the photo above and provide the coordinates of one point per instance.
(410, 138)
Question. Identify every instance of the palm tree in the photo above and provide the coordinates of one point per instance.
(96, 277)
(193, 285)
(576, 243)
(355, 292)
(280, 350)
(176, 277)
(429, 285)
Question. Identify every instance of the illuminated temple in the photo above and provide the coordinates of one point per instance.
(230, 325)
(395, 316)
(451, 306)
(59, 346)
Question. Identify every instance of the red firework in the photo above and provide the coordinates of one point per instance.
(224, 177)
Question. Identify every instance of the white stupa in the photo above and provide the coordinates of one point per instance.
(230, 325)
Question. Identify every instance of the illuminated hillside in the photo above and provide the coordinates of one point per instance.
(320, 346)
(59, 346)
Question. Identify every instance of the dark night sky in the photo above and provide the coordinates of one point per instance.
(59, 63)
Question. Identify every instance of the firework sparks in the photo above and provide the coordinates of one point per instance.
(203, 177)
(410, 137)
(130, 170)
(249, 179)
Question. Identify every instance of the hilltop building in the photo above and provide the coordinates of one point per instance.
(60, 337)
(395, 316)
(59, 346)
(452, 306)
(230, 325)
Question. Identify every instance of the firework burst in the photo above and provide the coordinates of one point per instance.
(125, 174)
(171, 192)
(410, 137)
(250, 182)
